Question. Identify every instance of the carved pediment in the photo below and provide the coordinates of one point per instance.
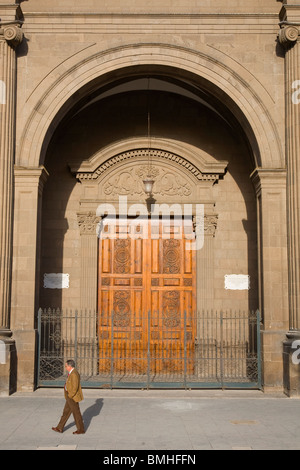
(179, 167)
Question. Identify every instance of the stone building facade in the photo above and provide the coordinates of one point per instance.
(206, 91)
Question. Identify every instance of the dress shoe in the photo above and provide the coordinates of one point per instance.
(78, 432)
(57, 430)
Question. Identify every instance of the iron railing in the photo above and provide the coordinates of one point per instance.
(205, 350)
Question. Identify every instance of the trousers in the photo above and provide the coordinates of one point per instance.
(71, 407)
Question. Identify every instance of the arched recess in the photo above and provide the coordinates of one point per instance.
(226, 82)
(209, 69)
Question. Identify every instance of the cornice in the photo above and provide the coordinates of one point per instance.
(155, 153)
(290, 13)
(269, 178)
(44, 22)
(10, 12)
(197, 164)
(157, 15)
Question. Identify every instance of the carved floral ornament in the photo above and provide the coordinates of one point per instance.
(130, 182)
(88, 222)
(210, 224)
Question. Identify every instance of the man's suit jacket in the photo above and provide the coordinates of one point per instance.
(73, 387)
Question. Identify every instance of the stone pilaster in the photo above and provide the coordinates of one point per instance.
(270, 187)
(205, 261)
(289, 37)
(88, 222)
(28, 188)
(10, 36)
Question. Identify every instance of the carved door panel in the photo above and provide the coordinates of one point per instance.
(146, 300)
(121, 300)
(172, 301)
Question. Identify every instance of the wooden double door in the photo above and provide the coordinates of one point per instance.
(146, 298)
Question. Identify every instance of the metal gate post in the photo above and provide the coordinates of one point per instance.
(112, 350)
(221, 350)
(259, 375)
(39, 344)
(148, 352)
(75, 339)
(185, 351)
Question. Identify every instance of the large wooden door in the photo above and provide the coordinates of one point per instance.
(146, 299)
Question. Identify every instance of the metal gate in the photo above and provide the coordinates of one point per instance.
(224, 351)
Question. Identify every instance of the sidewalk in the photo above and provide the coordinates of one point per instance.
(153, 420)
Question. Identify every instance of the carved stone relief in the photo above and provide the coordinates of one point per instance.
(210, 224)
(130, 182)
(88, 222)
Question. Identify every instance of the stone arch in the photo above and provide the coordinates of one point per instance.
(230, 82)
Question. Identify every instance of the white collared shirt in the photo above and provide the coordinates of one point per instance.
(67, 377)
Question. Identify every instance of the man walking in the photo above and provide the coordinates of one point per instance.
(73, 395)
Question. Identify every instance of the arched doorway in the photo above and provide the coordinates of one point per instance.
(146, 296)
(231, 97)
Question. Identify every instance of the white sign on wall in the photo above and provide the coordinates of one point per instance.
(237, 282)
(56, 281)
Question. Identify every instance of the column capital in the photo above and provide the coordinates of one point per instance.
(88, 222)
(289, 34)
(31, 177)
(268, 178)
(210, 224)
(12, 33)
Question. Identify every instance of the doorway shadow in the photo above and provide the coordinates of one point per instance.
(91, 412)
